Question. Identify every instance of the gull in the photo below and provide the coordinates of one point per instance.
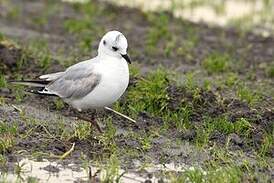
(91, 84)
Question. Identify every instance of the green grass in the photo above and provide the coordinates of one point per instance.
(59, 104)
(246, 94)
(3, 163)
(107, 139)
(226, 174)
(242, 127)
(158, 31)
(82, 131)
(40, 20)
(149, 94)
(268, 142)
(216, 63)
(32, 179)
(202, 138)
(46, 14)
(19, 169)
(146, 141)
(77, 26)
(181, 117)
(111, 170)
(38, 49)
(7, 136)
(190, 82)
(170, 46)
(1, 37)
(270, 71)
(231, 79)
(14, 12)
(84, 29)
(191, 40)
(19, 92)
(3, 82)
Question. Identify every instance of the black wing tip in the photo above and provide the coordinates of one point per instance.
(30, 81)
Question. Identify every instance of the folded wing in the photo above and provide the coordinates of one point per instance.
(51, 77)
(76, 82)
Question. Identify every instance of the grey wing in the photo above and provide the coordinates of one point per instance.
(76, 82)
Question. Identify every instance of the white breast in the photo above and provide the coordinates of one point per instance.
(114, 81)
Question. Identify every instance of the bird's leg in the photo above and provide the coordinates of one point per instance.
(120, 114)
(92, 121)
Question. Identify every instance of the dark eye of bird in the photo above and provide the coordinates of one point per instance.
(114, 48)
(104, 42)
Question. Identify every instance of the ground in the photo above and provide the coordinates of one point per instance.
(202, 96)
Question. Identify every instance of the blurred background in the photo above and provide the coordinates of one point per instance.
(253, 15)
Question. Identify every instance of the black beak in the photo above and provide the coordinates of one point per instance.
(126, 57)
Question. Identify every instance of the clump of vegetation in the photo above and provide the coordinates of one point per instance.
(3, 162)
(270, 71)
(220, 174)
(108, 137)
(1, 37)
(40, 50)
(111, 171)
(190, 81)
(241, 127)
(247, 95)
(82, 131)
(3, 82)
(231, 79)
(7, 136)
(150, 94)
(268, 141)
(19, 92)
(216, 63)
(59, 104)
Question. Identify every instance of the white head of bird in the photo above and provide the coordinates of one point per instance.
(114, 44)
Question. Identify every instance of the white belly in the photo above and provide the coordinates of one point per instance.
(112, 85)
